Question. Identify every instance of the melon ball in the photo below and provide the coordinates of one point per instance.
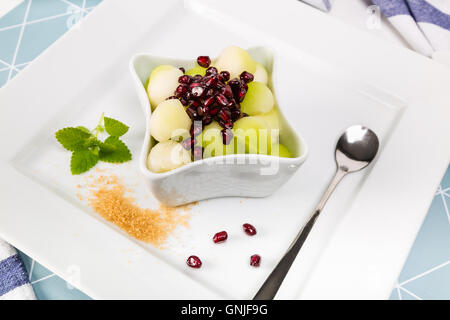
(168, 120)
(261, 74)
(162, 83)
(252, 135)
(235, 60)
(195, 71)
(280, 150)
(166, 156)
(259, 99)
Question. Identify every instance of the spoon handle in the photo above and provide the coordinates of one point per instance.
(270, 287)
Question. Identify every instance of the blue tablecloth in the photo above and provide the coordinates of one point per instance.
(24, 34)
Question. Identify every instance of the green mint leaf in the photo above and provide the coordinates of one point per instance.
(72, 139)
(82, 161)
(115, 128)
(107, 147)
(119, 155)
(84, 129)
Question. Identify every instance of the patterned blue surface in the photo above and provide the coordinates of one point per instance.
(34, 25)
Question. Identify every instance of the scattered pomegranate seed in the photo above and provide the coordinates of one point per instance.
(220, 236)
(194, 262)
(249, 229)
(255, 260)
(246, 77)
(204, 61)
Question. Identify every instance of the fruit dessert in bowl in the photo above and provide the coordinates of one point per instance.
(213, 127)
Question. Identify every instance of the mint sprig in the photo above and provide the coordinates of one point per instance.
(87, 149)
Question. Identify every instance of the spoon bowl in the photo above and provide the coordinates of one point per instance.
(356, 148)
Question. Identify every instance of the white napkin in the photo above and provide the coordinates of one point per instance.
(424, 24)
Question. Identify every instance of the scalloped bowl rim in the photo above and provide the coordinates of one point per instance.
(296, 161)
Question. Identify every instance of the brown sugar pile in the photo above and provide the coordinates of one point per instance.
(109, 200)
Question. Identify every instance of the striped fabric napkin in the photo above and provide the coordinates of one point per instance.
(14, 283)
(424, 24)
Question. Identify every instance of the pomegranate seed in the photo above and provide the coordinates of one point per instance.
(211, 71)
(194, 104)
(249, 229)
(213, 111)
(255, 260)
(197, 91)
(227, 136)
(244, 115)
(227, 92)
(192, 113)
(225, 76)
(222, 100)
(185, 79)
(244, 85)
(234, 84)
(246, 77)
(181, 90)
(202, 110)
(184, 102)
(235, 115)
(209, 101)
(224, 115)
(220, 237)
(194, 262)
(211, 81)
(188, 143)
(204, 61)
(194, 84)
(241, 94)
(207, 120)
(182, 69)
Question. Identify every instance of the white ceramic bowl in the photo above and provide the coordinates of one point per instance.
(243, 175)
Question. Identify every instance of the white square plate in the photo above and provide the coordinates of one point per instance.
(344, 77)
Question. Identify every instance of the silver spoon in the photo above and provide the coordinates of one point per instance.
(356, 148)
